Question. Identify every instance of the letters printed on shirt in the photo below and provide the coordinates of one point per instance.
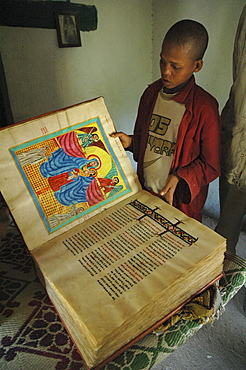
(163, 130)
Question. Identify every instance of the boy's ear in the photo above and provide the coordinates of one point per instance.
(198, 65)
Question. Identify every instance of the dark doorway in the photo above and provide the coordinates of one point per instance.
(6, 116)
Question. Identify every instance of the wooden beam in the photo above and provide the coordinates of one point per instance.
(41, 14)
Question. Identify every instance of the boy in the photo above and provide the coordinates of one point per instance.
(177, 131)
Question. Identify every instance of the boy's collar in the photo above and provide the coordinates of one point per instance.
(175, 89)
(184, 97)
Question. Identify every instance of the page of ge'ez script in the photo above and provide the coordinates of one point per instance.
(114, 266)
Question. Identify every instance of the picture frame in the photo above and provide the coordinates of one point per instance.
(68, 32)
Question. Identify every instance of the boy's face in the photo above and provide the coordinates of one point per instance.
(176, 65)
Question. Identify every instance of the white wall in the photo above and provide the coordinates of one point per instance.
(220, 19)
(114, 61)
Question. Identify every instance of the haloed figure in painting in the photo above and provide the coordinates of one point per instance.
(69, 177)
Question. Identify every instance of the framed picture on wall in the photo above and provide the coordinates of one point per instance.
(68, 32)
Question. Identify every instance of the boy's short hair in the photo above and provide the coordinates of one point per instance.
(189, 31)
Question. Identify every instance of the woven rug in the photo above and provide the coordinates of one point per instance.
(33, 337)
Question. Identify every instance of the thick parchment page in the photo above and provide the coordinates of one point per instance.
(126, 269)
(62, 168)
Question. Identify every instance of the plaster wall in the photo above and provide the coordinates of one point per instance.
(114, 62)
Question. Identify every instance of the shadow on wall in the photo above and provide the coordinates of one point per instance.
(6, 116)
(212, 206)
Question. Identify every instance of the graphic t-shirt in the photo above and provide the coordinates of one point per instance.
(163, 131)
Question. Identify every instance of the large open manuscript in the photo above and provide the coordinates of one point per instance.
(115, 260)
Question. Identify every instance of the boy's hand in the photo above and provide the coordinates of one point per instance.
(168, 191)
(124, 138)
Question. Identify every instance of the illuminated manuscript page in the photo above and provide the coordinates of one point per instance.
(62, 168)
(125, 269)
